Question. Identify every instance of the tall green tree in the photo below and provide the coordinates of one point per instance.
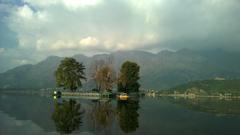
(70, 74)
(129, 76)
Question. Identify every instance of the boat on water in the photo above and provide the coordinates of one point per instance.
(123, 96)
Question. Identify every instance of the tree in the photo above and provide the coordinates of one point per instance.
(69, 74)
(105, 78)
(103, 74)
(129, 76)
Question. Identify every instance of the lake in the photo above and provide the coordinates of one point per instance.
(40, 115)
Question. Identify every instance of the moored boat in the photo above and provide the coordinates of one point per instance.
(123, 96)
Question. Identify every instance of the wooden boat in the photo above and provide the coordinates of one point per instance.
(123, 96)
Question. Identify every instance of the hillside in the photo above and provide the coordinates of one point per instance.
(158, 71)
(209, 87)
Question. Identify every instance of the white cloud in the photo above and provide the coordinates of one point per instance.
(61, 45)
(89, 41)
(2, 50)
(25, 12)
(28, 24)
(42, 3)
(75, 4)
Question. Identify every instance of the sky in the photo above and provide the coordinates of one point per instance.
(31, 30)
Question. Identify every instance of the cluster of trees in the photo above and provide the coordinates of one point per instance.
(70, 75)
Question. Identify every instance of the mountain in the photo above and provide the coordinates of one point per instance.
(36, 76)
(162, 70)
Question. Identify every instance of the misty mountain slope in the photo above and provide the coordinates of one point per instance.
(36, 76)
(162, 70)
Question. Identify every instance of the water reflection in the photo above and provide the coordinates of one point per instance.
(101, 116)
(67, 116)
(127, 112)
(218, 107)
(36, 115)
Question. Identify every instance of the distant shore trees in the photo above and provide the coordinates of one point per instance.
(70, 74)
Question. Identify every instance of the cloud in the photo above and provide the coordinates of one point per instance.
(88, 41)
(67, 27)
(109, 25)
(25, 12)
(2, 50)
(69, 4)
(126, 24)
(75, 4)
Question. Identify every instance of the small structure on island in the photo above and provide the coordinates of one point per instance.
(106, 94)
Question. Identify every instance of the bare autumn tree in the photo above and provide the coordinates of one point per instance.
(102, 72)
(105, 78)
(94, 69)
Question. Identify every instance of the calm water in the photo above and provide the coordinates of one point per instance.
(33, 115)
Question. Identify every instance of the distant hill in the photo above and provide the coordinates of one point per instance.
(209, 87)
(158, 71)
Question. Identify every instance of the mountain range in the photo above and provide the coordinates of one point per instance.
(157, 71)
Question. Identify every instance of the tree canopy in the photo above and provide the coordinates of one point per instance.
(129, 76)
(70, 74)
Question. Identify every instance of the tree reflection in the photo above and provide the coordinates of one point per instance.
(128, 115)
(101, 116)
(67, 116)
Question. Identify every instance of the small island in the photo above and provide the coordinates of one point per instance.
(70, 76)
